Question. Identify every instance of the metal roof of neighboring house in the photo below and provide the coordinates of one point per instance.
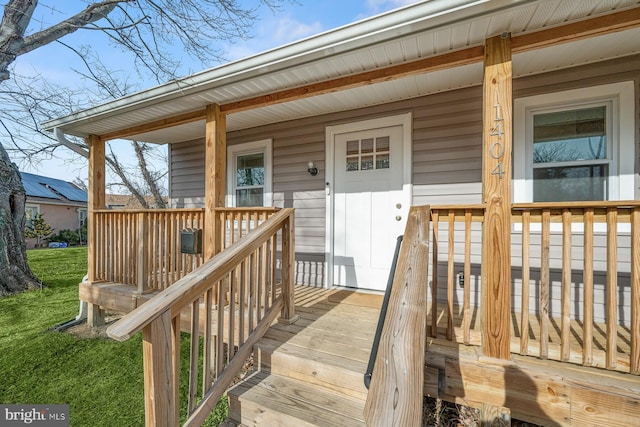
(405, 35)
(51, 188)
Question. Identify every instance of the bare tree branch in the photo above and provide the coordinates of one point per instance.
(94, 12)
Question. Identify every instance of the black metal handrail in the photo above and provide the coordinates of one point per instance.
(383, 315)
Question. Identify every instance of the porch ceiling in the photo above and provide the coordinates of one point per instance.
(402, 36)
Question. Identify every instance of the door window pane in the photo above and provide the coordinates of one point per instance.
(368, 154)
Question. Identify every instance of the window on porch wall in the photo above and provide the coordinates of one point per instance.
(571, 157)
(249, 179)
(249, 174)
(575, 145)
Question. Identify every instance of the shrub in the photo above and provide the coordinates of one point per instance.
(38, 229)
(72, 237)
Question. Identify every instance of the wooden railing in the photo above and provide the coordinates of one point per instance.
(396, 389)
(569, 260)
(142, 247)
(243, 277)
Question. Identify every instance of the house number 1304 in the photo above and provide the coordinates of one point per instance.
(496, 151)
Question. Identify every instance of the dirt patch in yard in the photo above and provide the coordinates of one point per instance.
(84, 331)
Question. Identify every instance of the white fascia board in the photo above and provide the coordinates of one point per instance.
(388, 26)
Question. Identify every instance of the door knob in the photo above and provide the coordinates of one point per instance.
(398, 217)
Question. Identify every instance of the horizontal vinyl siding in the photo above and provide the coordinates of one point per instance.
(447, 143)
(186, 180)
(446, 168)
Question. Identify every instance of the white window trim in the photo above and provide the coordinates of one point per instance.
(233, 151)
(621, 96)
(31, 205)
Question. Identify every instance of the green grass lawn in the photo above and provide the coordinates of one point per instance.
(101, 380)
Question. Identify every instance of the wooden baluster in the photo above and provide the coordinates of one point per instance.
(223, 230)
(587, 278)
(194, 353)
(288, 270)
(171, 256)
(268, 275)
(182, 224)
(565, 343)
(612, 288)
(164, 251)
(232, 312)
(544, 284)
(434, 277)
(526, 274)
(634, 359)
(274, 266)
(467, 277)
(141, 255)
(175, 357)
(260, 282)
(208, 358)
(450, 274)
(242, 295)
(220, 332)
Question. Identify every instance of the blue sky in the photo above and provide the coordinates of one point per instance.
(296, 20)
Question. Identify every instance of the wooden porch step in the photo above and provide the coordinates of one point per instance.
(336, 373)
(265, 399)
(311, 372)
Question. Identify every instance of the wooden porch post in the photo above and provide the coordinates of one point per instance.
(96, 200)
(496, 194)
(215, 178)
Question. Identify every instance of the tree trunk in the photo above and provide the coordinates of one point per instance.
(16, 275)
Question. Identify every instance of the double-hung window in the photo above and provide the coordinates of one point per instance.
(31, 212)
(249, 174)
(571, 153)
(575, 145)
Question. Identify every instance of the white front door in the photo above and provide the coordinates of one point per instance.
(369, 205)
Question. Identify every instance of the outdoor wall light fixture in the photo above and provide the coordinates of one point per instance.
(312, 169)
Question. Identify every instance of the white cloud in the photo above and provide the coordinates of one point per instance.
(272, 33)
(378, 6)
(288, 29)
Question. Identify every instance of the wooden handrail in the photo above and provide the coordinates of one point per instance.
(237, 282)
(190, 287)
(581, 204)
(396, 391)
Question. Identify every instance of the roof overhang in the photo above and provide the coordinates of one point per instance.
(424, 48)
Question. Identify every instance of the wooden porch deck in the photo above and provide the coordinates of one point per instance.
(310, 373)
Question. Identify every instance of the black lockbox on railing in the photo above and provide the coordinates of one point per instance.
(191, 241)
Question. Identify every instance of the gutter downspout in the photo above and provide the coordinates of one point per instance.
(84, 308)
(62, 139)
(79, 319)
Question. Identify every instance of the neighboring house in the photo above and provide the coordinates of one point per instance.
(127, 201)
(496, 113)
(62, 204)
